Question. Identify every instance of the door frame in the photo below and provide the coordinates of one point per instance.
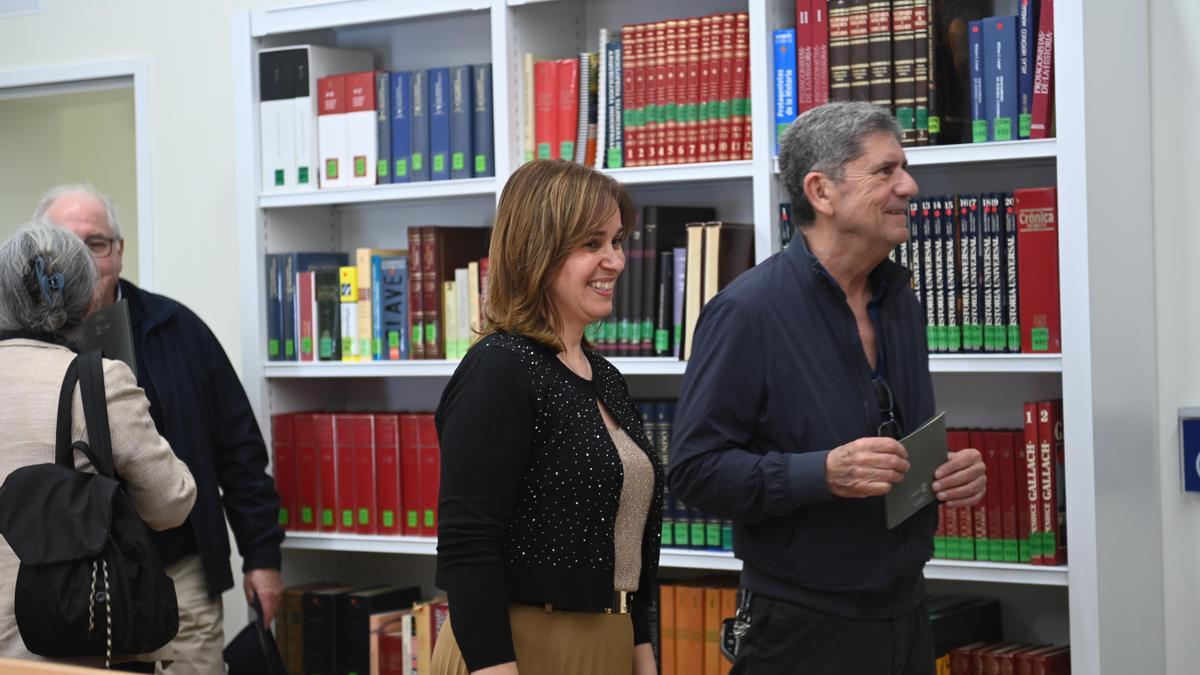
(91, 76)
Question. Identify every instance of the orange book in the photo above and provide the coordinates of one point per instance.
(689, 630)
(666, 628)
(728, 611)
(712, 631)
(545, 125)
(567, 88)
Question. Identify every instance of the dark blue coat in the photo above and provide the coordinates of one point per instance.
(777, 378)
(205, 416)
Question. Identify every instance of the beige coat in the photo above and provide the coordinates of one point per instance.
(31, 374)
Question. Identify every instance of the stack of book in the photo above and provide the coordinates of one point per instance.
(337, 628)
(327, 120)
(357, 473)
(1023, 517)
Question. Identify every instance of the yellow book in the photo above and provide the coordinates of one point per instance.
(348, 292)
(450, 319)
(475, 319)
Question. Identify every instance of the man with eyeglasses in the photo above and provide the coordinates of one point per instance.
(199, 406)
(804, 373)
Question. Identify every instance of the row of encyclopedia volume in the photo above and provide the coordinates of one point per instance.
(329, 120)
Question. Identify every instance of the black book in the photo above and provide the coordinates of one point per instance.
(1009, 253)
(649, 288)
(664, 305)
(631, 291)
(354, 610)
(320, 630)
(110, 331)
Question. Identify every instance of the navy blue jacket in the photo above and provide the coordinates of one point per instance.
(205, 416)
(777, 378)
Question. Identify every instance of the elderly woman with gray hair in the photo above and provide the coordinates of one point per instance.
(46, 282)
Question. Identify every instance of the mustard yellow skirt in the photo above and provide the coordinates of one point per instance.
(553, 643)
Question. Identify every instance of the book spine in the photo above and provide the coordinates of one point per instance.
(967, 280)
(482, 132)
(615, 155)
(327, 318)
(986, 522)
(387, 476)
(821, 57)
(304, 434)
(283, 466)
(803, 62)
(365, 517)
(1012, 307)
(331, 130)
(725, 92)
(327, 471)
(929, 271)
(785, 81)
(1043, 73)
(431, 295)
(362, 144)
(462, 109)
(1027, 31)
(393, 295)
(741, 143)
(416, 293)
(439, 123)
(879, 52)
(379, 349)
(383, 131)
(914, 247)
(1037, 271)
(986, 443)
(545, 75)
(903, 85)
(661, 93)
(410, 473)
(1000, 76)
(860, 57)
(705, 111)
(566, 81)
(348, 292)
(430, 471)
(419, 160)
(979, 125)
(675, 46)
(649, 288)
(630, 98)
(347, 481)
(679, 283)
(990, 320)
(272, 264)
(922, 71)
(401, 100)
(939, 277)
(954, 543)
(1010, 442)
(582, 108)
(663, 321)
(1029, 546)
(1051, 482)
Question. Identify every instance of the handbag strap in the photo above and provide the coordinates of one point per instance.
(88, 370)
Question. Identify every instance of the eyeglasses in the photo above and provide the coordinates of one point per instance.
(889, 426)
(101, 247)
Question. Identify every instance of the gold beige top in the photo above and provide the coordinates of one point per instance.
(636, 492)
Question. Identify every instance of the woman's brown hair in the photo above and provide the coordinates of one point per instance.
(548, 208)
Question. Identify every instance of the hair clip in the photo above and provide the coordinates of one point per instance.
(54, 282)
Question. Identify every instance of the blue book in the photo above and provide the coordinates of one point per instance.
(1000, 76)
(482, 146)
(462, 95)
(292, 264)
(392, 298)
(1027, 31)
(418, 167)
(401, 102)
(274, 307)
(383, 135)
(439, 123)
(785, 81)
(979, 126)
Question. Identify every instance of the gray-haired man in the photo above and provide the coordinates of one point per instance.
(804, 372)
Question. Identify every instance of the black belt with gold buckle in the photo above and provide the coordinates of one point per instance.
(621, 601)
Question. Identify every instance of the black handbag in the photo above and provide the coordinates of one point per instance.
(90, 582)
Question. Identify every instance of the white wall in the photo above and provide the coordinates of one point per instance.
(188, 45)
(85, 137)
(1175, 98)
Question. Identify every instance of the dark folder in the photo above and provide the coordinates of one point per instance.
(110, 331)
(926, 452)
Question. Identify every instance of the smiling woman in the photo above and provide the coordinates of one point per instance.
(550, 505)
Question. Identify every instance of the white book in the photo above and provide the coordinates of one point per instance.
(331, 132)
(602, 102)
(362, 129)
(276, 123)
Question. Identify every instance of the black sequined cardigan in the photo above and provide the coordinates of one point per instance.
(530, 485)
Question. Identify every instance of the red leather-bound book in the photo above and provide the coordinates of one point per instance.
(344, 451)
(1007, 486)
(304, 434)
(389, 515)
(961, 440)
(283, 465)
(1029, 533)
(327, 488)
(1051, 482)
(545, 121)
(410, 473)
(1037, 271)
(430, 459)
(566, 82)
(1043, 74)
(365, 514)
(985, 443)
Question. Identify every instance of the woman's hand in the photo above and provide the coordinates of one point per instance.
(643, 660)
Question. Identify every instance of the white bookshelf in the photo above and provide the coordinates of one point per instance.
(1106, 553)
